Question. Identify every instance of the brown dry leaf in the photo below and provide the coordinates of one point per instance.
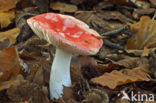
(9, 63)
(140, 53)
(124, 76)
(96, 96)
(77, 63)
(6, 5)
(153, 2)
(6, 18)
(137, 13)
(139, 3)
(122, 101)
(26, 91)
(10, 34)
(123, 2)
(63, 7)
(107, 66)
(98, 23)
(128, 62)
(44, 96)
(67, 93)
(145, 52)
(145, 34)
(77, 1)
(15, 82)
(114, 15)
(39, 77)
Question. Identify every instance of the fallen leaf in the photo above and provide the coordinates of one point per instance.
(137, 13)
(124, 76)
(120, 100)
(136, 52)
(67, 93)
(153, 2)
(6, 18)
(44, 96)
(4, 44)
(77, 1)
(145, 52)
(97, 22)
(6, 5)
(114, 15)
(96, 96)
(63, 7)
(9, 63)
(153, 67)
(107, 66)
(144, 34)
(103, 5)
(43, 5)
(77, 63)
(7, 84)
(127, 62)
(141, 3)
(39, 77)
(122, 2)
(138, 3)
(26, 91)
(10, 34)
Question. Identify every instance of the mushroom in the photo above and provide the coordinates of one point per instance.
(70, 36)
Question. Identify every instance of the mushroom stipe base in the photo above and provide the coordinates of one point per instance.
(60, 73)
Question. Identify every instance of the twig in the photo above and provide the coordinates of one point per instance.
(133, 2)
(154, 16)
(147, 40)
(112, 45)
(114, 32)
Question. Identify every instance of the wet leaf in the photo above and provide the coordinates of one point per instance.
(6, 5)
(10, 34)
(9, 63)
(63, 7)
(6, 18)
(144, 34)
(124, 76)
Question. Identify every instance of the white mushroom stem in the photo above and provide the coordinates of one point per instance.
(60, 73)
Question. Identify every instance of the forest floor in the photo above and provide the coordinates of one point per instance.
(124, 66)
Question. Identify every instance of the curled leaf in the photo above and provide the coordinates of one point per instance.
(6, 18)
(116, 78)
(9, 63)
(144, 34)
(10, 34)
(63, 7)
(6, 5)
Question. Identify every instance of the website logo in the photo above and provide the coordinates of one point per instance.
(137, 96)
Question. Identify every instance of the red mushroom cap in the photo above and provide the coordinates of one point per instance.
(66, 32)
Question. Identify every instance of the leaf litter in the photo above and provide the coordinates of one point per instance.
(25, 60)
